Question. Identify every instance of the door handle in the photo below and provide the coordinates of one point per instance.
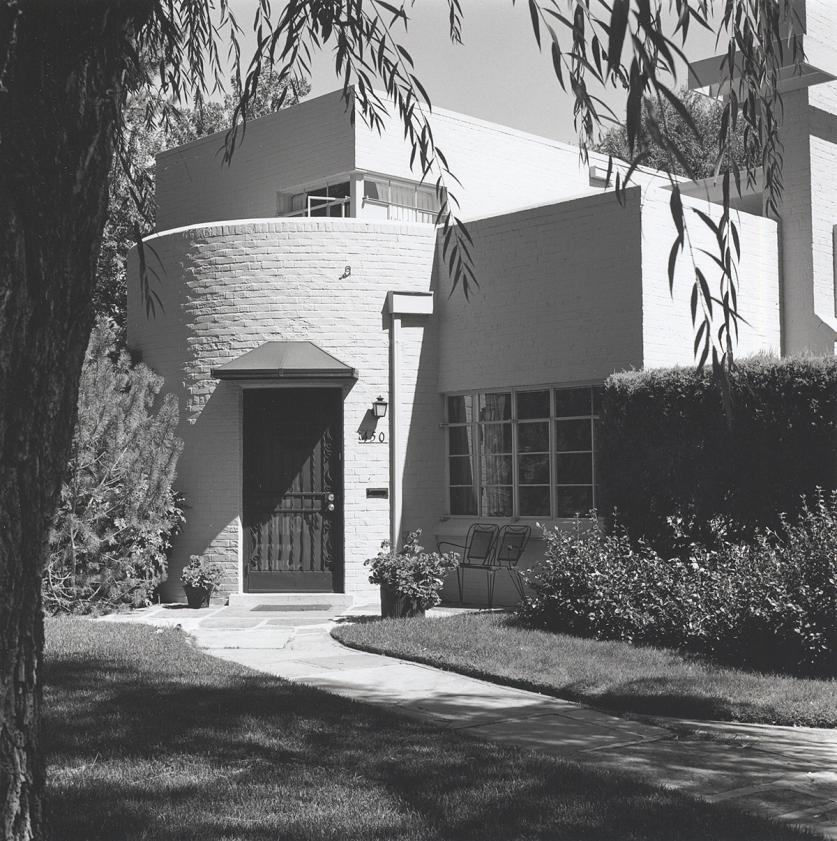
(330, 506)
(330, 497)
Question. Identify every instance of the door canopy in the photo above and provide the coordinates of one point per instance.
(294, 361)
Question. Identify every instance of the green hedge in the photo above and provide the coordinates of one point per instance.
(667, 448)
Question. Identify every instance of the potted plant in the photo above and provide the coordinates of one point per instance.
(200, 579)
(411, 578)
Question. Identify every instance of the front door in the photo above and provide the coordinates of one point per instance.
(292, 487)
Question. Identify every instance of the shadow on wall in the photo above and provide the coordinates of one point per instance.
(178, 345)
(211, 469)
(423, 476)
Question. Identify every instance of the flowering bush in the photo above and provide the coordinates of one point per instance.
(201, 574)
(412, 573)
(769, 604)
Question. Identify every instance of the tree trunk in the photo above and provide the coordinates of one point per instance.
(62, 71)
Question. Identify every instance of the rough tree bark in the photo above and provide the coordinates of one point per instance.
(62, 85)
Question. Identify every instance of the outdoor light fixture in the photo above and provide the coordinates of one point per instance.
(379, 407)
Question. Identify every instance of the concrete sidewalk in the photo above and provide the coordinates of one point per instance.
(784, 772)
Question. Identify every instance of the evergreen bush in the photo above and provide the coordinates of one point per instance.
(667, 447)
(117, 512)
(769, 603)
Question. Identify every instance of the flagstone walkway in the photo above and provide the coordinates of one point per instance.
(784, 772)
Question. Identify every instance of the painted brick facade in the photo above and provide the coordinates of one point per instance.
(666, 316)
(228, 288)
(571, 288)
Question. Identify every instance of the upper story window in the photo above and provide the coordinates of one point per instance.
(328, 200)
(403, 201)
(522, 453)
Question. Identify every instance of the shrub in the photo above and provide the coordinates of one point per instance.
(412, 573)
(666, 432)
(202, 574)
(769, 604)
(117, 511)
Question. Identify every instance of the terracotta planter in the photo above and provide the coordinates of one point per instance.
(396, 606)
(197, 596)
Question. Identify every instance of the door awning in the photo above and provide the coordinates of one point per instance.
(286, 361)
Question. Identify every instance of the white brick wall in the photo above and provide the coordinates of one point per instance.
(228, 288)
(559, 299)
(666, 319)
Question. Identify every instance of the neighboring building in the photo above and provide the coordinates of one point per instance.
(304, 282)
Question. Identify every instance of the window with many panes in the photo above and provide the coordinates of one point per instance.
(522, 452)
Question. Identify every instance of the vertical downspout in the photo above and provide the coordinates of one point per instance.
(394, 434)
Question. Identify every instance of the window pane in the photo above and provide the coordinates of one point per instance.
(533, 470)
(459, 408)
(496, 438)
(573, 435)
(459, 440)
(497, 502)
(460, 470)
(495, 407)
(497, 470)
(574, 468)
(374, 190)
(534, 501)
(338, 191)
(426, 199)
(404, 194)
(572, 501)
(532, 404)
(463, 501)
(533, 437)
(572, 401)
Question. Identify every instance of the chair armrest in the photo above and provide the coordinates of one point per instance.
(441, 543)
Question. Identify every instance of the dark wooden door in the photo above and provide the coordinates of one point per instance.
(292, 489)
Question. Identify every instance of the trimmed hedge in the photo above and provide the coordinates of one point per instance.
(667, 448)
(769, 604)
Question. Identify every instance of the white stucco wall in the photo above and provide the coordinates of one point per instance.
(501, 169)
(313, 140)
(558, 300)
(228, 288)
(667, 331)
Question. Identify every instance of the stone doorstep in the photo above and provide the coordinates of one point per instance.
(337, 602)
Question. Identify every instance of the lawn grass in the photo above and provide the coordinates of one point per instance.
(611, 675)
(148, 738)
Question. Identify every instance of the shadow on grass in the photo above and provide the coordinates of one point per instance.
(149, 738)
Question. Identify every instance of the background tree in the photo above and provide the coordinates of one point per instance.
(699, 148)
(66, 69)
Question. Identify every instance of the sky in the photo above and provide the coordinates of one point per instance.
(497, 73)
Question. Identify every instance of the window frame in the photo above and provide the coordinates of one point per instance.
(475, 425)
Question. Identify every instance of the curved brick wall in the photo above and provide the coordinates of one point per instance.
(228, 287)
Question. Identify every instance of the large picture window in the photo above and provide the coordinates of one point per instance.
(522, 453)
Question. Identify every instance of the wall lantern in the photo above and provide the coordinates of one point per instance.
(379, 407)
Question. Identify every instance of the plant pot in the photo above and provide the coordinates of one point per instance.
(396, 606)
(197, 596)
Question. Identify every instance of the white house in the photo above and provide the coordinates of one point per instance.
(302, 289)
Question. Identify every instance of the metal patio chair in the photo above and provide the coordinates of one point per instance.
(476, 553)
(508, 549)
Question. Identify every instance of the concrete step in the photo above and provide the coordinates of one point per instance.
(330, 601)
